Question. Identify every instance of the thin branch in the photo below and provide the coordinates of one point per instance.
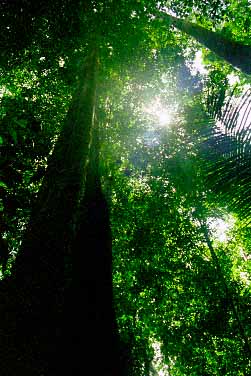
(216, 262)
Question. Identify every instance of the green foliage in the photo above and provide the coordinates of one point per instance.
(167, 287)
(226, 150)
(214, 10)
(33, 103)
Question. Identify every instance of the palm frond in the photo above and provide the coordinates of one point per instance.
(226, 149)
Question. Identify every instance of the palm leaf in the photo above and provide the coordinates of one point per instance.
(226, 150)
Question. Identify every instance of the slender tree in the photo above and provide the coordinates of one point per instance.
(217, 265)
(235, 53)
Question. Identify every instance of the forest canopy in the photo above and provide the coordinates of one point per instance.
(125, 187)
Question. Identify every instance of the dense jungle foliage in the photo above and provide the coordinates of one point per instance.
(125, 187)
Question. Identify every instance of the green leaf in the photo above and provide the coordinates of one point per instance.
(2, 184)
(13, 134)
(22, 122)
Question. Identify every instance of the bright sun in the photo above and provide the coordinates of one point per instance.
(220, 227)
(164, 117)
(156, 110)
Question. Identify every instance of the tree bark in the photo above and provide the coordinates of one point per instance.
(237, 54)
(94, 333)
(32, 300)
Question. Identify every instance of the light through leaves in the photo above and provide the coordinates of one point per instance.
(220, 228)
(158, 112)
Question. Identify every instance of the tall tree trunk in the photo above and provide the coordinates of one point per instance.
(237, 54)
(94, 332)
(32, 299)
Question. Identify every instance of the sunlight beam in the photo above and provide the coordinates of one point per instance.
(158, 112)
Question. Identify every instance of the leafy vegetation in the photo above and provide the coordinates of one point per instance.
(125, 188)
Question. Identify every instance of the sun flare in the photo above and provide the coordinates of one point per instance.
(221, 227)
(158, 112)
(163, 117)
